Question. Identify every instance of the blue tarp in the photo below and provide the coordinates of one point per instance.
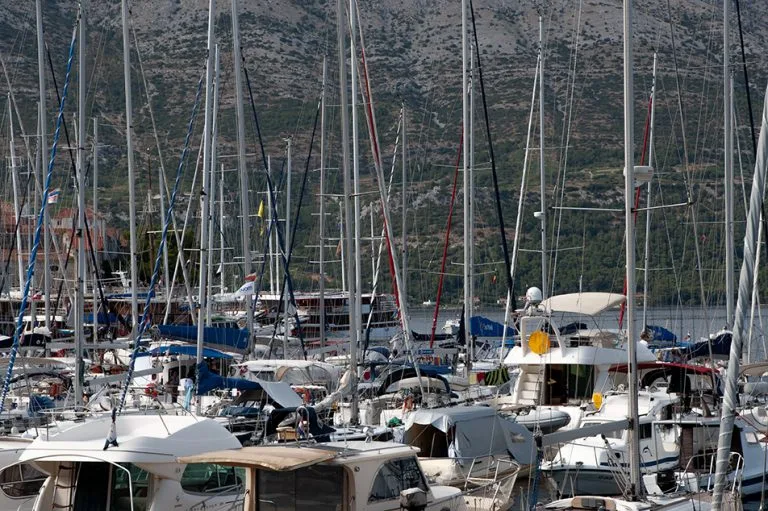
(659, 333)
(209, 381)
(720, 346)
(104, 319)
(235, 338)
(480, 326)
(184, 350)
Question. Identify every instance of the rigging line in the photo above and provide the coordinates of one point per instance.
(447, 241)
(295, 225)
(39, 226)
(13, 237)
(746, 84)
(565, 144)
(163, 179)
(92, 253)
(143, 321)
(499, 212)
(280, 235)
(687, 179)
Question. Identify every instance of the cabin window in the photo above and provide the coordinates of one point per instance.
(319, 487)
(646, 431)
(21, 480)
(209, 478)
(394, 477)
(569, 381)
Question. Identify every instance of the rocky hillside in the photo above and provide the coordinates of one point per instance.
(414, 53)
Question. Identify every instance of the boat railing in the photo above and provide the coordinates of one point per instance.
(692, 473)
(494, 480)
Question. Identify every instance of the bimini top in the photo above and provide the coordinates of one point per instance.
(140, 438)
(272, 458)
(589, 304)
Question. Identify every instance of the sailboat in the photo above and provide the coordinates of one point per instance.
(635, 491)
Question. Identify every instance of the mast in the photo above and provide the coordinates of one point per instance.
(203, 297)
(221, 231)
(635, 489)
(355, 287)
(322, 207)
(80, 232)
(465, 170)
(95, 227)
(647, 255)
(287, 249)
(131, 176)
(245, 224)
(471, 217)
(404, 229)
(43, 148)
(519, 219)
(211, 183)
(16, 210)
(728, 165)
(347, 250)
(543, 185)
(272, 233)
(731, 396)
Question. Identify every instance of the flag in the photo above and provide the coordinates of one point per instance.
(260, 214)
(53, 196)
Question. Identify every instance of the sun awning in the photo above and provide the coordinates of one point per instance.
(756, 369)
(589, 304)
(277, 459)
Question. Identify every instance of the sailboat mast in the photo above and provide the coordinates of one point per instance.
(271, 233)
(355, 290)
(647, 254)
(245, 224)
(404, 229)
(345, 169)
(543, 182)
(95, 229)
(43, 149)
(221, 230)
(80, 233)
(728, 164)
(471, 178)
(203, 280)
(131, 176)
(636, 488)
(287, 249)
(322, 207)
(731, 395)
(16, 210)
(465, 171)
(212, 184)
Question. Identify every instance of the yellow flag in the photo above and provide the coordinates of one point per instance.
(260, 214)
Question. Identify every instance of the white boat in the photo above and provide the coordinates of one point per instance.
(595, 465)
(139, 472)
(356, 476)
(465, 443)
(577, 364)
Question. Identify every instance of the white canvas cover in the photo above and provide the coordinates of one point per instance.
(589, 304)
(474, 431)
